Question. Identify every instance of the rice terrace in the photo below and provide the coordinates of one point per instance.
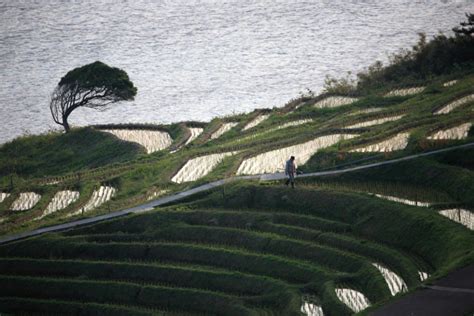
(193, 218)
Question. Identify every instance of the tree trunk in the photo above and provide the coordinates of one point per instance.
(66, 124)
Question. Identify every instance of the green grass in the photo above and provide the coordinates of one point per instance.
(372, 218)
(29, 305)
(57, 153)
(455, 183)
(254, 251)
(247, 247)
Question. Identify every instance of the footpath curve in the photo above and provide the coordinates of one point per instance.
(175, 197)
(451, 295)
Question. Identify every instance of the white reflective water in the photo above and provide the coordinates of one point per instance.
(193, 60)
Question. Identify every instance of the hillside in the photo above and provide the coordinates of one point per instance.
(56, 154)
(334, 245)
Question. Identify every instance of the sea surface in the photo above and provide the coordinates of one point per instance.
(194, 60)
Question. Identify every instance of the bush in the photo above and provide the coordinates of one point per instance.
(440, 56)
(343, 86)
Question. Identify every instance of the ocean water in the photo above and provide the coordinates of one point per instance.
(194, 60)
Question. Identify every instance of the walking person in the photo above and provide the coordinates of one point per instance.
(290, 171)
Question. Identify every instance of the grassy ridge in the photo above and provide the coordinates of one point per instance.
(234, 283)
(430, 236)
(256, 254)
(54, 154)
(255, 225)
(29, 305)
(455, 181)
(103, 292)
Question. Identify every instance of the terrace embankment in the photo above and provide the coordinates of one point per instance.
(335, 245)
(242, 249)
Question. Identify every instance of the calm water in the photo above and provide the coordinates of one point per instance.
(193, 60)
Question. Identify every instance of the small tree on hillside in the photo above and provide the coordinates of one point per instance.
(466, 28)
(94, 86)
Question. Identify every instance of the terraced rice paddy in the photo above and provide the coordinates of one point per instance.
(273, 161)
(152, 140)
(397, 142)
(366, 111)
(375, 122)
(225, 127)
(311, 309)
(461, 216)
(404, 201)
(257, 249)
(61, 200)
(394, 282)
(355, 300)
(248, 247)
(293, 123)
(450, 83)
(259, 119)
(239, 264)
(423, 275)
(195, 132)
(458, 132)
(285, 125)
(25, 201)
(199, 167)
(53, 182)
(455, 104)
(334, 101)
(156, 194)
(405, 92)
(3, 196)
(99, 197)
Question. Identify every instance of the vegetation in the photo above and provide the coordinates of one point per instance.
(87, 158)
(55, 154)
(442, 55)
(247, 247)
(94, 86)
(467, 28)
(253, 250)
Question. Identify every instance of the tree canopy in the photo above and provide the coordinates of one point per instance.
(95, 85)
(466, 28)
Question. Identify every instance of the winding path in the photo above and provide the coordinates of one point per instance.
(175, 197)
(452, 295)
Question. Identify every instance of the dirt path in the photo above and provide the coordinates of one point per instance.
(450, 296)
(152, 204)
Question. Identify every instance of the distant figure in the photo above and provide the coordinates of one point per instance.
(290, 171)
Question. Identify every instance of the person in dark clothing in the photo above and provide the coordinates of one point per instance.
(290, 171)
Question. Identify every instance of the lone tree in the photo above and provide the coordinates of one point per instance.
(94, 86)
